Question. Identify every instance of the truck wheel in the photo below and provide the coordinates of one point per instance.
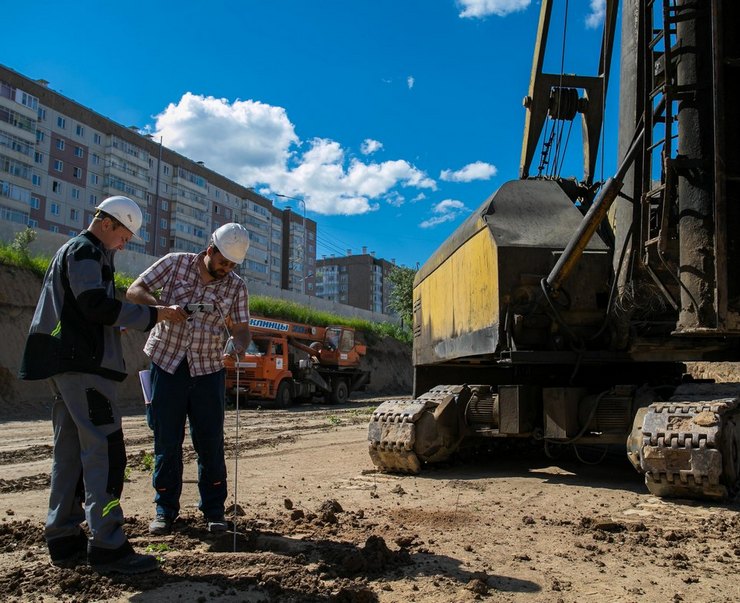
(284, 397)
(339, 392)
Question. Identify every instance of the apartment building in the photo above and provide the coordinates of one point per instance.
(357, 280)
(58, 160)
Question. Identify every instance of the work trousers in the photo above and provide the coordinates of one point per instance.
(175, 398)
(89, 460)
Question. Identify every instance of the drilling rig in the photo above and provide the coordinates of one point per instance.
(563, 310)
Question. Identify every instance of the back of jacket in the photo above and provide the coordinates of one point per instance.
(76, 326)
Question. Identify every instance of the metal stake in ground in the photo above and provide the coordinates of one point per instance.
(230, 348)
(236, 452)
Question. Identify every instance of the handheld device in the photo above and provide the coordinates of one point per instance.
(198, 307)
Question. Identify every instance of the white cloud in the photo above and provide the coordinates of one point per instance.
(448, 205)
(242, 140)
(395, 199)
(419, 197)
(445, 211)
(370, 146)
(410, 80)
(473, 9)
(596, 16)
(256, 145)
(479, 170)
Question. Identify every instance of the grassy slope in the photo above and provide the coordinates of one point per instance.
(258, 304)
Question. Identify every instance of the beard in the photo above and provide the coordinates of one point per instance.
(217, 274)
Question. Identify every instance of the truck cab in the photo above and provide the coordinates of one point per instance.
(291, 361)
(339, 347)
(261, 368)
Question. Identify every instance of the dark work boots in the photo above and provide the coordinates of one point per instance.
(123, 560)
(68, 551)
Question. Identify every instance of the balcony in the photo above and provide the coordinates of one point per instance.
(122, 171)
(127, 152)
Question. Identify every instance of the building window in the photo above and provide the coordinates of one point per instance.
(40, 136)
(60, 144)
(38, 157)
(56, 186)
(27, 100)
(35, 202)
(79, 152)
(164, 204)
(33, 223)
(61, 122)
(54, 209)
(53, 228)
(74, 214)
(162, 223)
(163, 241)
(96, 138)
(77, 172)
(93, 178)
(166, 170)
(75, 193)
(58, 165)
(93, 200)
(80, 131)
(36, 179)
(42, 114)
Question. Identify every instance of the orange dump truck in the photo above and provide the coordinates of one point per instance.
(289, 361)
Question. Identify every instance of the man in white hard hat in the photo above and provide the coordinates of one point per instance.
(74, 342)
(187, 368)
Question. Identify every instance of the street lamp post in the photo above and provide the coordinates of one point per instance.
(305, 240)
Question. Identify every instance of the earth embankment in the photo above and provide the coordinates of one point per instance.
(388, 360)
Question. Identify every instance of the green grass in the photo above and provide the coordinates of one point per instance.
(334, 420)
(20, 259)
(147, 462)
(159, 547)
(278, 308)
(260, 305)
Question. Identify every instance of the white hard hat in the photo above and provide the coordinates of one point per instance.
(232, 241)
(125, 210)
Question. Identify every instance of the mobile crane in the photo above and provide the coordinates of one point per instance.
(290, 361)
(562, 311)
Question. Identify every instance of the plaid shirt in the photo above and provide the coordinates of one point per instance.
(200, 338)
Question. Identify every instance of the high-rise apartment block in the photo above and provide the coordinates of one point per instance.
(58, 160)
(357, 280)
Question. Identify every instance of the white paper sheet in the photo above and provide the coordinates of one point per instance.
(145, 377)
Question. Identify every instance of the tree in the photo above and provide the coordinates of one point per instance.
(402, 293)
(22, 240)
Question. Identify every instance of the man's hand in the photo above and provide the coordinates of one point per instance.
(173, 314)
(233, 348)
(240, 336)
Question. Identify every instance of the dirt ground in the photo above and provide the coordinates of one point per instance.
(316, 522)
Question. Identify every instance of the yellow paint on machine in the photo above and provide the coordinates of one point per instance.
(460, 296)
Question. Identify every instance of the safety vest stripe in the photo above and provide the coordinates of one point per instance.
(110, 506)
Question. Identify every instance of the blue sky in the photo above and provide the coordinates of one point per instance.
(392, 119)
